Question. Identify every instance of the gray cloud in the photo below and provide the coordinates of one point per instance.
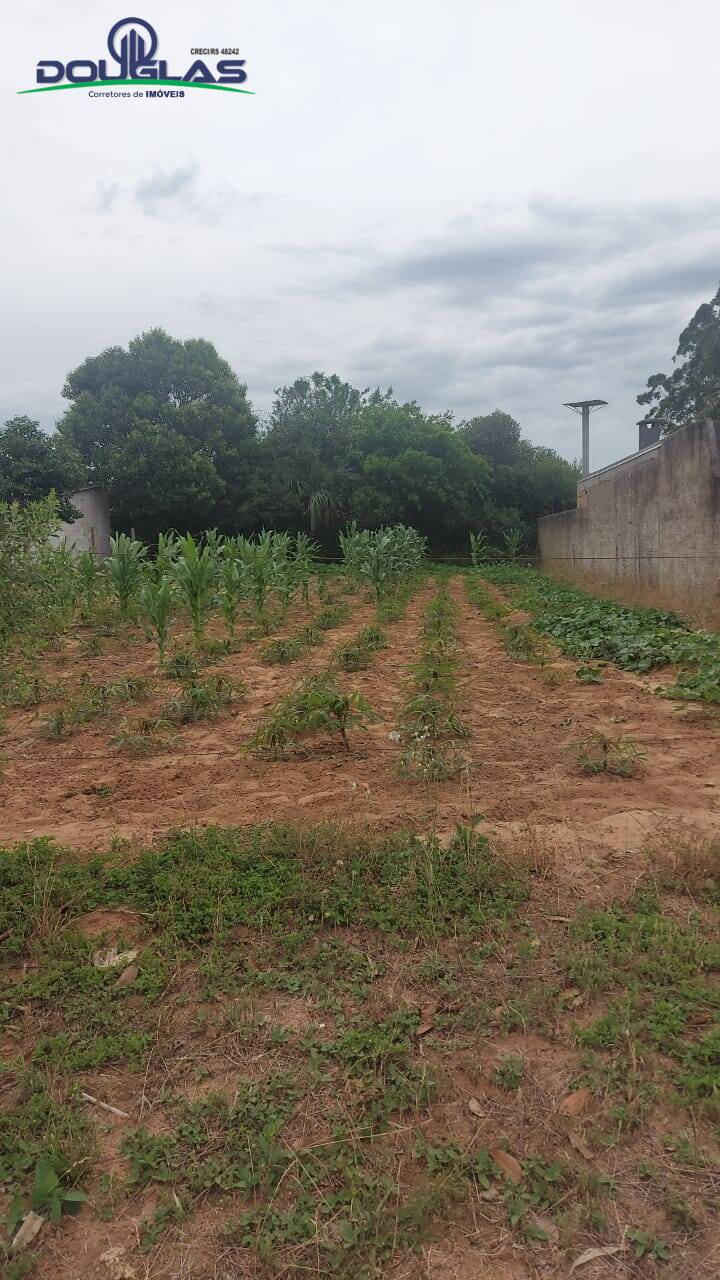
(178, 186)
(540, 230)
(107, 194)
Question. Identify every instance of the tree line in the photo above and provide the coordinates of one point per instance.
(167, 427)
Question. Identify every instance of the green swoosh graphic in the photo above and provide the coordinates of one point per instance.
(146, 84)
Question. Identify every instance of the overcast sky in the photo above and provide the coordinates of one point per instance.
(482, 203)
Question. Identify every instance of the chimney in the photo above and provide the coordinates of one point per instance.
(649, 432)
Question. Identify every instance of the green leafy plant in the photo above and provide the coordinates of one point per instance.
(203, 698)
(513, 539)
(646, 1245)
(510, 1072)
(195, 576)
(381, 558)
(125, 566)
(182, 665)
(479, 548)
(48, 1197)
(317, 708)
(231, 586)
(156, 604)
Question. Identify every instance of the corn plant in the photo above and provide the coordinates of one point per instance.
(258, 571)
(513, 540)
(318, 707)
(305, 557)
(358, 653)
(382, 558)
(479, 547)
(156, 604)
(92, 575)
(285, 579)
(165, 554)
(201, 699)
(195, 575)
(125, 566)
(231, 586)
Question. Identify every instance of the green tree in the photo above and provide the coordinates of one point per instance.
(32, 463)
(414, 468)
(692, 390)
(166, 426)
(526, 481)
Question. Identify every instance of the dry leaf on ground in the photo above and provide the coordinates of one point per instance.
(590, 1255)
(509, 1165)
(573, 1104)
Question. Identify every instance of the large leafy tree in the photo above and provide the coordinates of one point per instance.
(166, 426)
(309, 439)
(32, 463)
(692, 390)
(526, 480)
(415, 468)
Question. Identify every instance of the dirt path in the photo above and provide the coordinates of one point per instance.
(524, 719)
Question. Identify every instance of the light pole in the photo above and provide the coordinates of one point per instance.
(585, 408)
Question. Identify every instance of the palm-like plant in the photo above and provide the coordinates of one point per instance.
(320, 505)
(195, 575)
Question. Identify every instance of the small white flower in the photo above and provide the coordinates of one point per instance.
(394, 736)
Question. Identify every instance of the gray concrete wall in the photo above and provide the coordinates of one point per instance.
(92, 531)
(647, 528)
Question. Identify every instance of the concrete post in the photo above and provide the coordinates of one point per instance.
(586, 440)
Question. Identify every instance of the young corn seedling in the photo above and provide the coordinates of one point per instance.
(230, 582)
(201, 699)
(156, 604)
(479, 547)
(317, 708)
(305, 557)
(358, 654)
(195, 575)
(513, 540)
(125, 565)
(145, 738)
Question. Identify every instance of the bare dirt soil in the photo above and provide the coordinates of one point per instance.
(84, 792)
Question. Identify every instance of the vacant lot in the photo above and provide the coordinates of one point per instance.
(439, 1000)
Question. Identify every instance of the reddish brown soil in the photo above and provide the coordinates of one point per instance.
(522, 771)
(588, 837)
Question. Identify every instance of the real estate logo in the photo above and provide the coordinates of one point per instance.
(133, 45)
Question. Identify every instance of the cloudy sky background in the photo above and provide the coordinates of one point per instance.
(482, 203)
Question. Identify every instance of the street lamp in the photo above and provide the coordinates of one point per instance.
(585, 408)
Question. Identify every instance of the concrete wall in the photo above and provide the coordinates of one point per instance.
(92, 531)
(647, 528)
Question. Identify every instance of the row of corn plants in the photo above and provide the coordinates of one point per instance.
(318, 707)
(232, 576)
(384, 561)
(522, 642)
(289, 648)
(429, 728)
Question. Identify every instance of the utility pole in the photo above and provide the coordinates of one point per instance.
(585, 408)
